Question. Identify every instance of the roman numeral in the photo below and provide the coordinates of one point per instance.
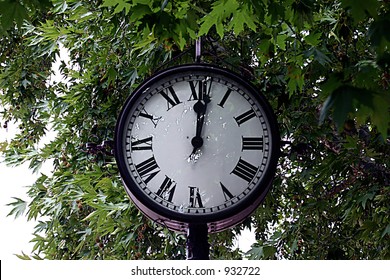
(145, 114)
(252, 143)
(171, 101)
(245, 117)
(196, 94)
(226, 193)
(245, 170)
(224, 98)
(195, 198)
(200, 88)
(147, 169)
(167, 189)
(142, 144)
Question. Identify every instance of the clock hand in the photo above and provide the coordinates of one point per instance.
(200, 109)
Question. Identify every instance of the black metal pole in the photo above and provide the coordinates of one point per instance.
(198, 247)
(198, 50)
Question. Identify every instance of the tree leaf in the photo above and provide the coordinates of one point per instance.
(12, 11)
(221, 10)
(386, 231)
(242, 17)
(3, 146)
(364, 198)
(119, 5)
(296, 80)
(281, 41)
(19, 207)
(283, 47)
(276, 11)
(23, 256)
(318, 56)
(256, 252)
(360, 8)
(313, 39)
(379, 35)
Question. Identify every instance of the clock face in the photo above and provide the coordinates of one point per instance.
(197, 144)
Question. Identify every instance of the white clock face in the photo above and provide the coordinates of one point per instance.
(195, 144)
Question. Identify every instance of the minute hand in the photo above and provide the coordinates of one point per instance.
(200, 109)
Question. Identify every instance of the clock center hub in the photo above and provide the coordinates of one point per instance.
(197, 142)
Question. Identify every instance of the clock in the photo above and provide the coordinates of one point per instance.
(197, 144)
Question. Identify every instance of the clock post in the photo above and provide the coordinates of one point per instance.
(197, 244)
(198, 247)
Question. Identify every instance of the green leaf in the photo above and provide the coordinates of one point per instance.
(313, 39)
(143, 2)
(191, 32)
(380, 35)
(242, 17)
(302, 12)
(318, 56)
(331, 84)
(362, 103)
(269, 252)
(12, 11)
(296, 80)
(380, 113)
(111, 75)
(221, 10)
(364, 198)
(341, 100)
(276, 12)
(119, 5)
(138, 12)
(256, 252)
(105, 184)
(182, 41)
(91, 215)
(386, 231)
(281, 41)
(3, 146)
(23, 256)
(368, 71)
(19, 206)
(360, 8)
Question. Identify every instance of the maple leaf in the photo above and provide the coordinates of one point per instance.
(118, 4)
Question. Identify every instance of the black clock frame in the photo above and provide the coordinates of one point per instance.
(180, 221)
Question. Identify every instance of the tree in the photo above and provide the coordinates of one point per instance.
(323, 65)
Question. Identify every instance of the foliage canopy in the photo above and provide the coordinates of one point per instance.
(323, 65)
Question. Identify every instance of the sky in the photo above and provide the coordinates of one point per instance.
(15, 234)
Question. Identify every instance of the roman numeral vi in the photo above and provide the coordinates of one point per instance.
(195, 198)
